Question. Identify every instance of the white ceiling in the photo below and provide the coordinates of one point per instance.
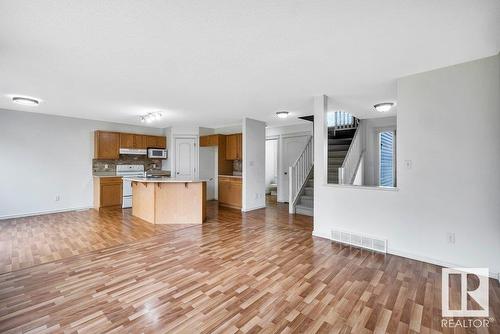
(211, 63)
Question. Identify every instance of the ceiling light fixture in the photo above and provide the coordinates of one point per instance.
(384, 106)
(282, 114)
(25, 101)
(152, 116)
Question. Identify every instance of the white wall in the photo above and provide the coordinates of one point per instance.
(44, 156)
(305, 126)
(449, 127)
(254, 164)
(227, 130)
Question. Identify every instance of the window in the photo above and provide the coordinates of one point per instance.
(387, 153)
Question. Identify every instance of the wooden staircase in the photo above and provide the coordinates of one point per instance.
(338, 146)
(305, 204)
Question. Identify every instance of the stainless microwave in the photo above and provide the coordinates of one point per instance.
(157, 153)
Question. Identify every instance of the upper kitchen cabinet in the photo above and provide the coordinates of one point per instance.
(106, 145)
(137, 141)
(156, 141)
(234, 147)
(127, 140)
(210, 140)
(140, 141)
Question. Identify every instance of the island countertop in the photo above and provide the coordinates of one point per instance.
(162, 179)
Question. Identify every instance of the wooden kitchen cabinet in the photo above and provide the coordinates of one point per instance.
(140, 142)
(234, 146)
(156, 142)
(106, 145)
(204, 141)
(107, 192)
(127, 140)
(210, 140)
(230, 191)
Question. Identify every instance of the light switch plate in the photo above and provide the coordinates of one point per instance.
(408, 164)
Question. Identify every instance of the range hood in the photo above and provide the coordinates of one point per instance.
(133, 151)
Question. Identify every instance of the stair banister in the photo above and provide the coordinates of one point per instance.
(298, 174)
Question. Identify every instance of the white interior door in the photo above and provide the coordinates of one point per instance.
(208, 159)
(292, 148)
(185, 158)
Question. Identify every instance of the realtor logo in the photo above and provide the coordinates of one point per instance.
(478, 295)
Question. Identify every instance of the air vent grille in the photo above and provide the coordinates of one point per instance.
(359, 240)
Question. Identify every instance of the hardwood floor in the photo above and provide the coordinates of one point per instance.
(255, 272)
(25, 242)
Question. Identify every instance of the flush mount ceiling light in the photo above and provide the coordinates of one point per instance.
(152, 116)
(25, 101)
(282, 114)
(384, 106)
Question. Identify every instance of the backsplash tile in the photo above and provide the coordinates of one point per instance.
(237, 166)
(98, 166)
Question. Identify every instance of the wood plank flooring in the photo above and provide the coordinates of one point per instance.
(237, 273)
(28, 241)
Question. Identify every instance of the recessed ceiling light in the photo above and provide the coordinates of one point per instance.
(384, 106)
(282, 114)
(25, 101)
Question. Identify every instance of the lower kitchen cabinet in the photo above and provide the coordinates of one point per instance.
(107, 192)
(230, 191)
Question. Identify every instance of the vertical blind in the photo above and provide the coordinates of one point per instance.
(386, 159)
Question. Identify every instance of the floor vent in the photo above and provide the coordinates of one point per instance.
(358, 240)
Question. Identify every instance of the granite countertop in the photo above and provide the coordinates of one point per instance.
(163, 179)
(111, 174)
(233, 176)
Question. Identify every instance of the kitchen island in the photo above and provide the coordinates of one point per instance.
(166, 200)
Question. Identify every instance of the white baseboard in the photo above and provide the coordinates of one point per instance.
(414, 256)
(46, 212)
(254, 208)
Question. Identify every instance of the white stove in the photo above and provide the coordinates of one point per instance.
(128, 170)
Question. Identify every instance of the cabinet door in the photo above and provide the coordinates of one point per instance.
(161, 142)
(111, 194)
(224, 191)
(231, 146)
(106, 145)
(156, 142)
(204, 141)
(140, 141)
(235, 194)
(239, 146)
(126, 140)
(213, 140)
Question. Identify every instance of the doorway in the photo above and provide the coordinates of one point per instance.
(292, 148)
(185, 158)
(272, 170)
(208, 163)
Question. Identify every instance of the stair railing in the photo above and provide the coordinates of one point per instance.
(347, 173)
(341, 120)
(298, 173)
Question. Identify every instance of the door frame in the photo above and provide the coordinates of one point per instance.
(281, 137)
(196, 153)
(278, 150)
